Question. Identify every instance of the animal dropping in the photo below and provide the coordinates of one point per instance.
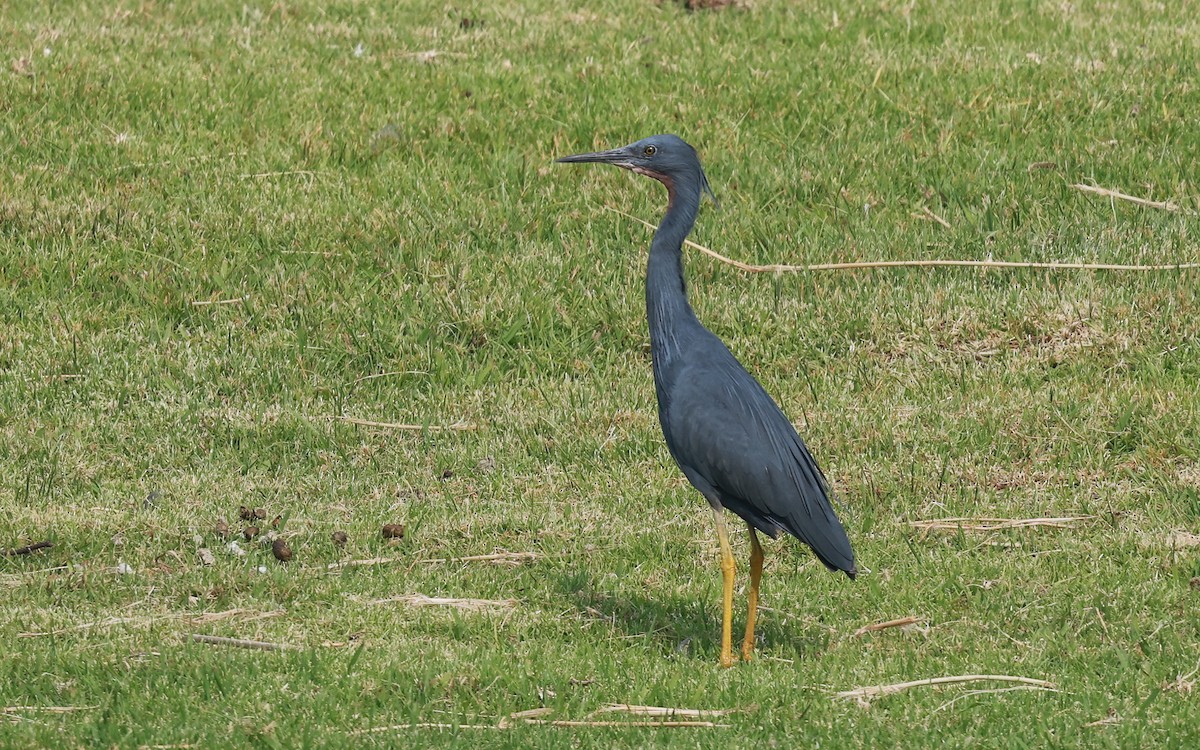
(281, 550)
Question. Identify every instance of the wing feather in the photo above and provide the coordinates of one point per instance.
(724, 427)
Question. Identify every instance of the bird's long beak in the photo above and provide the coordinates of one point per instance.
(616, 156)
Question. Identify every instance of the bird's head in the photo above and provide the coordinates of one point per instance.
(666, 158)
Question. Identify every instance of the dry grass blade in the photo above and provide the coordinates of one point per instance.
(377, 375)
(48, 709)
(470, 605)
(495, 557)
(653, 724)
(981, 525)
(232, 301)
(246, 614)
(897, 623)
(457, 426)
(531, 713)
(147, 620)
(286, 173)
(1108, 721)
(106, 623)
(1097, 190)
(870, 692)
(422, 725)
(785, 268)
(362, 563)
(691, 713)
(931, 216)
(216, 640)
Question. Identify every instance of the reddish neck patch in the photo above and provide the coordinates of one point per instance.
(665, 180)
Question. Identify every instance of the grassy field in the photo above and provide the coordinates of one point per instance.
(224, 226)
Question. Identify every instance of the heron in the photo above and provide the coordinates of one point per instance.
(728, 436)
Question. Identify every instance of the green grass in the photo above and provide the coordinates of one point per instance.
(383, 214)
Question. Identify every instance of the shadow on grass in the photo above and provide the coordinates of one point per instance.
(688, 627)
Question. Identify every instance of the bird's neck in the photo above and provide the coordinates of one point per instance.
(667, 307)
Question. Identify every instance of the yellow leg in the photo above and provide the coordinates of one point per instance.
(756, 563)
(727, 593)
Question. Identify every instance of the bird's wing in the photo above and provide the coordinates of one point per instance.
(724, 427)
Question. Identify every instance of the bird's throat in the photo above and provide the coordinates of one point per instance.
(667, 182)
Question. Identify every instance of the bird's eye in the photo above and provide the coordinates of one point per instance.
(649, 151)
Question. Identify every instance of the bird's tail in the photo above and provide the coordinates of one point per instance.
(828, 540)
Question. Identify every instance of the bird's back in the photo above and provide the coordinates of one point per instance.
(724, 430)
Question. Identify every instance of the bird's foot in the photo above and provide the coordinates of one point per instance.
(727, 659)
(747, 650)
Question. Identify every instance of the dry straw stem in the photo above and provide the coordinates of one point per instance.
(147, 620)
(246, 615)
(897, 623)
(1107, 721)
(470, 605)
(784, 268)
(652, 724)
(373, 376)
(458, 426)
(287, 173)
(1097, 190)
(930, 215)
(233, 301)
(866, 694)
(48, 709)
(422, 725)
(496, 557)
(16, 579)
(216, 640)
(984, 525)
(690, 713)
(530, 713)
(361, 563)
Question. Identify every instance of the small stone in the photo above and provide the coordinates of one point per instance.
(260, 513)
(393, 531)
(124, 568)
(246, 514)
(197, 539)
(236, 549)
(250, 532)
(222, 528)
(206, 556)
(340, 538)
(282, 552)
(262, 568)
(486, 465)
